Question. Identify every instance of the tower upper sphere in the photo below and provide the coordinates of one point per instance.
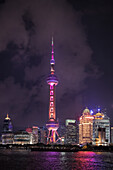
(52, 78)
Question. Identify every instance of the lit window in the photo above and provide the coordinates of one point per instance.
(51, 104)
(51, 115)
(51, 87)
(51, 92)
(51, 98)
(51, 109)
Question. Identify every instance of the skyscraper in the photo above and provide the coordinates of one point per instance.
(111, 134)
(7, 134)
(101, 129)
(86, 127)
(43, 135)
(52, 125)
(71, 132)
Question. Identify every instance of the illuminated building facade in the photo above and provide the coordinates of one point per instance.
(62, 132)
(7, 134)
(86, 127)
(21, 137)
(43, 135)
(71, 132)
(111, 134)
(34, 134)
(52, 125)
(101, 129)
(29, 131)
(35, 130)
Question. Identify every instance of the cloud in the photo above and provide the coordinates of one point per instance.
(30, 25)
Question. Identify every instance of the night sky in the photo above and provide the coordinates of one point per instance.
(83, 45)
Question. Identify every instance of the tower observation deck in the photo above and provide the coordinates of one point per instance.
(52, 124)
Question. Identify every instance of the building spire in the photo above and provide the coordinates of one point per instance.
(7, 118)
(52, 53)
(52, 61)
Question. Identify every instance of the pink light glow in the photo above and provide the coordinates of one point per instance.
(51, 98)
(80, 118)
(51, 104)
(51, 84)
(51, 92)
(51, 87)
(52, 55)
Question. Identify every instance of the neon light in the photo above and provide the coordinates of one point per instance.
(51, 109)
(51, 103)
(91, 111)
(51, 84)
(51, 98)
(51, 92)
(98, 109)
(89, 117)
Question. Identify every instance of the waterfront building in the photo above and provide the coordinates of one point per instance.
(29, 130)
(34, 134)
(62, 132)
(71, 132)
(7, 134)
(21, 137)
(43, 135)
(52, 124)
(86, 127)
(35, 130)
(112, 135)
(101, 129)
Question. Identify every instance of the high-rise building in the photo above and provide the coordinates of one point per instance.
(43, 135)
(34, 134)
(35, 130)
(62, 132)
(71, 132)
(101, 129)
(52, 125)
(111, 134)
(86, 127)
(7, 134)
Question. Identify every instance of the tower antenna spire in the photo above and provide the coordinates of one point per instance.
(52, 44)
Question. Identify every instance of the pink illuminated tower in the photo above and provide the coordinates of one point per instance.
(52, 125)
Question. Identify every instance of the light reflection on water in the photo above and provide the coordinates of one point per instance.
(12, 160)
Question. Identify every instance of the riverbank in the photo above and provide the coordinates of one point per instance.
(57, 148)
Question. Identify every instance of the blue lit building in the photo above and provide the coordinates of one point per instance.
(7, 134)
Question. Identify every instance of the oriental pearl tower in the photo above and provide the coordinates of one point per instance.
(52, 124)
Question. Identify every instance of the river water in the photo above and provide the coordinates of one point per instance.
(27, 160)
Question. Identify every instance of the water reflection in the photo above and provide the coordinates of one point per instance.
(56, 160)
(86, 160)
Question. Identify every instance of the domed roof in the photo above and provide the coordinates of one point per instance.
(99, 115)
(86, 110)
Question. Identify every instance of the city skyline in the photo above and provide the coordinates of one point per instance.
(83, 51)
